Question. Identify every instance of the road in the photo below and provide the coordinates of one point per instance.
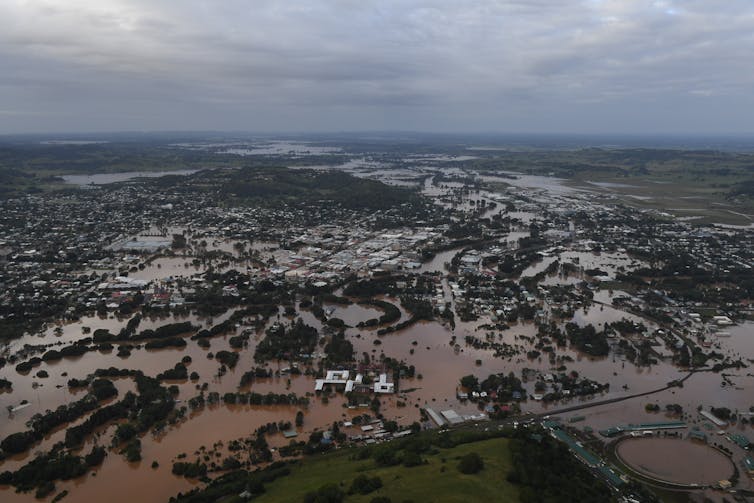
(609, 400)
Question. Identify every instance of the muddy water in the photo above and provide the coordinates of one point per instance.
(219, 423)
(63, 333)
(437, 264)
(105, 178)
(512, 238)
(118, 481)
(52, 392)
(598, 315)
(610, 263)
(547, 183)
(675, 460)
(182, 266)
(440, 364)
(71, 332)
(58, 434)
(538, 267)
(701, 389)
(737, 341)
(216, 423)
(354, 313)
(168, 267)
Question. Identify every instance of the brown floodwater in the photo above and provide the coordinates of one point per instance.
(168, 267)
(608, 262)
(675, 460)
(440, 364)
(353, 313)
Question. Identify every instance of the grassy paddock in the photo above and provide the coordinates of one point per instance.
(425, 483)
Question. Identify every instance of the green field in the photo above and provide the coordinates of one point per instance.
(425, 483)
(701, 186)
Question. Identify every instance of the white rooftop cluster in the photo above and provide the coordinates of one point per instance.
(342, 377)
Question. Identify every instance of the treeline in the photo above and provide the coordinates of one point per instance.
(250, 376)
(44, 469)
(76, 435)
(504, 386)
(164, 332)
(193, 470)
(546, 471)
(322, 187)
(227, 358)
(152, 405)
(260, 300)
(178, 372)
(287, 343)
(76, 349)
(378, 285)
(406, 451)
(339, 349)
(162, 337)
(420, 309)
(42, 424)
(390, 314)
(587, 339)
(60, 464)
(251, 398)
(235, 482)
(216, 330)
(744, 188)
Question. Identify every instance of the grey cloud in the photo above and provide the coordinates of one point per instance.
(330, 65)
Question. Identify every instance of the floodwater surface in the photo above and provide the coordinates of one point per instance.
(675, 460)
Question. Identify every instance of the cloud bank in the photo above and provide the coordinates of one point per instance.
(334, 65)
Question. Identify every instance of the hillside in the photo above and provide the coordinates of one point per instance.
(465, 465)
(437, 480)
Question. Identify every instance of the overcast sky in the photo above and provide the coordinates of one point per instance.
(613, 66)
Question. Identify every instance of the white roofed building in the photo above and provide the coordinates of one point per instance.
(382, 386)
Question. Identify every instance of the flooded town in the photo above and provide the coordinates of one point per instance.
(161, 329)
(376, 251)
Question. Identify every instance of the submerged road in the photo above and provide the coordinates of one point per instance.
(611, 400)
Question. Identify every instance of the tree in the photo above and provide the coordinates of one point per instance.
(315, 437)
(365, 485)
(96, 456)
(299, 418)
(125, 432)
(411, 459)
(328, 493)
(469, 381)
(17, 442)
(179, 241)
(471, 463)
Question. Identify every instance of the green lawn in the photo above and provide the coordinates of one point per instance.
(421, 484)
